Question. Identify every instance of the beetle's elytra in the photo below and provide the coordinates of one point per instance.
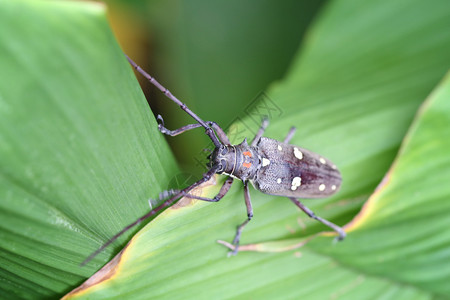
(278, 168)
(272, 167)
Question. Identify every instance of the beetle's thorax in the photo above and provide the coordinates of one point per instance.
(240, 161)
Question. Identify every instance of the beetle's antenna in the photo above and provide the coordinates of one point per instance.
(167, 203)
(168, 94)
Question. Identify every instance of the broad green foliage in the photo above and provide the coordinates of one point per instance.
(401, 232)
(80, 155)
(76, 138)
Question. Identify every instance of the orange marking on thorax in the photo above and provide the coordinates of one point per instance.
(247, 153)
(247, 165)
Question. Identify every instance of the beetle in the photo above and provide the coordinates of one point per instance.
(272, 167)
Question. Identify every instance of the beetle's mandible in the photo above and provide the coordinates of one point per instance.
(272, 167)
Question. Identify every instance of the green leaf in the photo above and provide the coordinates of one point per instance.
(80, 153)
(407, 216)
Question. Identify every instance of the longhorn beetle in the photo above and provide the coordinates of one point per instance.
(272, 167)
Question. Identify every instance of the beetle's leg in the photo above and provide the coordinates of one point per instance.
(219, 132)
(223, 191)
(289, 135)
(310, 213)
(248, 204)
(264, 124)
(176, 131)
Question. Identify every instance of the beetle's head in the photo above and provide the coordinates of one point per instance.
(223, 159)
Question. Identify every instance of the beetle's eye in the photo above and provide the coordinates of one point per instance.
(223, 164)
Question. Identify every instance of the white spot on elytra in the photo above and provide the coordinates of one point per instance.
(322, 187)
(296, 182)
(279, 180)
(322, 160)
(280, 148)
(298, 153)
(265, 162)
(333, 187)
(334, 167)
